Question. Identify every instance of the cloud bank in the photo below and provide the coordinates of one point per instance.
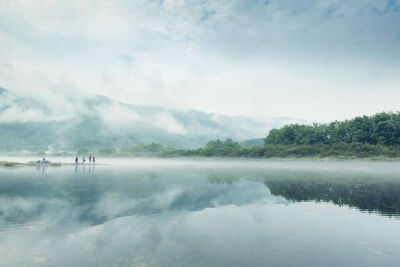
(261, 58)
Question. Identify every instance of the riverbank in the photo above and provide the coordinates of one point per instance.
(143, 161)
(30, 163)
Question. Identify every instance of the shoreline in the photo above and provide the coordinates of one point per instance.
(7, 163)
(47, 164)
(31, 163)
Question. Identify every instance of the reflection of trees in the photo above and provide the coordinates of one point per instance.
(105, 196)
(364, 194)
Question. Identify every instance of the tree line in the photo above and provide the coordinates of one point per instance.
(379, 129)
(361, 137)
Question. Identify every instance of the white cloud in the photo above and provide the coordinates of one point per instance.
(167, 121)
(122, 117)
(260, 58)
(119, 116)
(15, 114)
(15, 109)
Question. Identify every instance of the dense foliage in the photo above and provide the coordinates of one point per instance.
(342, 150)
(361, 137)
(230, 148)
(380, 129)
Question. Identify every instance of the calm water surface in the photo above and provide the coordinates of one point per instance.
(136, 212)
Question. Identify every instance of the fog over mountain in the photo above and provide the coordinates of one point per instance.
(96, 122)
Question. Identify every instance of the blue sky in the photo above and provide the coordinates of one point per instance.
(318, 60)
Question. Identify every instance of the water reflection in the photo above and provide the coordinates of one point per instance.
(222, 215)
(40, 167)
(84, 168)
(372, 195)
(131, 192)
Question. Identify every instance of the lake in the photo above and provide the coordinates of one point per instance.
(153, 212)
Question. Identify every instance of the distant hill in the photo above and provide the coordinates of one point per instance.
(28, 124)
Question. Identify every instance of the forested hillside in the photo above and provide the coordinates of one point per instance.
(361, 137)
(379, 129)
(97, 122)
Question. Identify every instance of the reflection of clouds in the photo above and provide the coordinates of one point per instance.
(222, 236)
(130, 228)
(73, 221)
(198, 196)
(76, 199)
(20, 210)
(166, 218)
(246, 192)
(95, 203)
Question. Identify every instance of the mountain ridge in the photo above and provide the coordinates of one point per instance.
(99, 121)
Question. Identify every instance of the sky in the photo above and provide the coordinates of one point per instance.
(319, 60)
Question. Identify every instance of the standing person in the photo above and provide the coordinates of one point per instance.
(90, 159)
(83, 160)
(44, 160)
(94, 159)
(76, 160)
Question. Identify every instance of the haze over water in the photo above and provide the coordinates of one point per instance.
(135, 212)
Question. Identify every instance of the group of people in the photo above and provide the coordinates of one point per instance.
(43, 162)
(91, 159)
